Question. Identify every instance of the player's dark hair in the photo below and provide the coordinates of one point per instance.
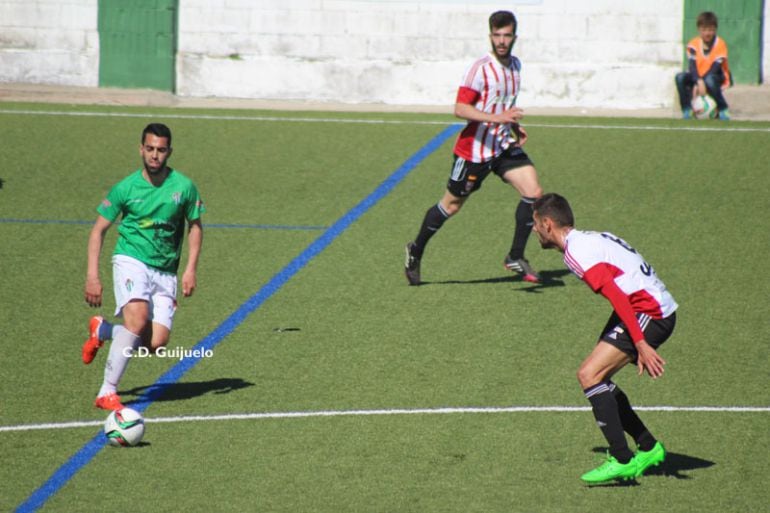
(556, 208)
(707, 19)
(158, 130)
(501, 19)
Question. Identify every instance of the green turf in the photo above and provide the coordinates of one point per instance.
(694, 203)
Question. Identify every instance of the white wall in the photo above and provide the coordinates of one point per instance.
(597, 53)
(49, 42)
(600, 53)
(766, 46)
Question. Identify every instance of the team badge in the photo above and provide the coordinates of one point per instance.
(470, 183)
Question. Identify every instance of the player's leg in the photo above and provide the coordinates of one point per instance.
(434, 219)
(99, 330)
(125, 339)
(160, 336)
(465, 178)
(132, 299)
(162, 320)
(714, 83)
(651, 452)
(594, 377)
(524, 179)
(684, 87)
(163, 310)
(631, 422)
(612, 409)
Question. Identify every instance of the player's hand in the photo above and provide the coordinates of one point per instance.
(512, 115)
(649, 360)
(189, 282)
(701, 87)
(93, 292)
(520, 135)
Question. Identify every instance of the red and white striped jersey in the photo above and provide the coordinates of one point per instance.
(490, 87)
(597, 258)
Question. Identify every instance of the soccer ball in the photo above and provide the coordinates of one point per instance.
(124, 427)
(704, 107)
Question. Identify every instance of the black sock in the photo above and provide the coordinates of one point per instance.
(605, 409)
(524, 224)
(631, 422)
(434, 218)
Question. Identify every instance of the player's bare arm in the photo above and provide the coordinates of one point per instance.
(471, 113)
(93, 287)
(195, 242)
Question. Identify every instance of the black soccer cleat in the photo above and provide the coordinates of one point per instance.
(522, 267)
(412, 265)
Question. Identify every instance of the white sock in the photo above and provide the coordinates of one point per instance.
(117, 360)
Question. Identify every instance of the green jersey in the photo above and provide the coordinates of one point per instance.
(153, 218)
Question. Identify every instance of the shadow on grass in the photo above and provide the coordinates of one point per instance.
(672, 466)
(550, 279)
(182, 391)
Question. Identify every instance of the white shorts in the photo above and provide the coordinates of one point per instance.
(133, 279)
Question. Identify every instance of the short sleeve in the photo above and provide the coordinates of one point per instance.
(195, 206)
(110, 206)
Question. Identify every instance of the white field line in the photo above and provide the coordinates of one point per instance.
(720, 128)
(367, 413)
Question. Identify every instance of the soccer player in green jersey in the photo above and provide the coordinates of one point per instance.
(154, 202)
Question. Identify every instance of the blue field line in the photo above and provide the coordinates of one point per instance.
(205, 225)
(68, 470)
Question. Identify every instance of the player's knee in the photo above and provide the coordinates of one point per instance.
(136, 316)
(587, 377)
(451, 207)
(136, 324)
(711, 82)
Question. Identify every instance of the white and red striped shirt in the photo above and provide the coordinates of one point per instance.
(610, 266)
(492, 88)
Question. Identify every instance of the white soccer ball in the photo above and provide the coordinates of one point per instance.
(124, 427)
(704, 107)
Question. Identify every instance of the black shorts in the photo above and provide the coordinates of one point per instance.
(467, 176)
(656, 331)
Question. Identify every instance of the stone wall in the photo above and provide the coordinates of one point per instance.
(600, 53)
(49, 42)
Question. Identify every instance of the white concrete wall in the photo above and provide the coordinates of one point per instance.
(600, 53)
(49, 41)
(597, 53)
(766, 46)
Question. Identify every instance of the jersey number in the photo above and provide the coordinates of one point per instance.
(646, 268)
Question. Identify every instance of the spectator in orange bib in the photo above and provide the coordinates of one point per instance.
(708, 72)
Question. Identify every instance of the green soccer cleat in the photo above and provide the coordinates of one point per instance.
(651, 458)
(611, 470)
